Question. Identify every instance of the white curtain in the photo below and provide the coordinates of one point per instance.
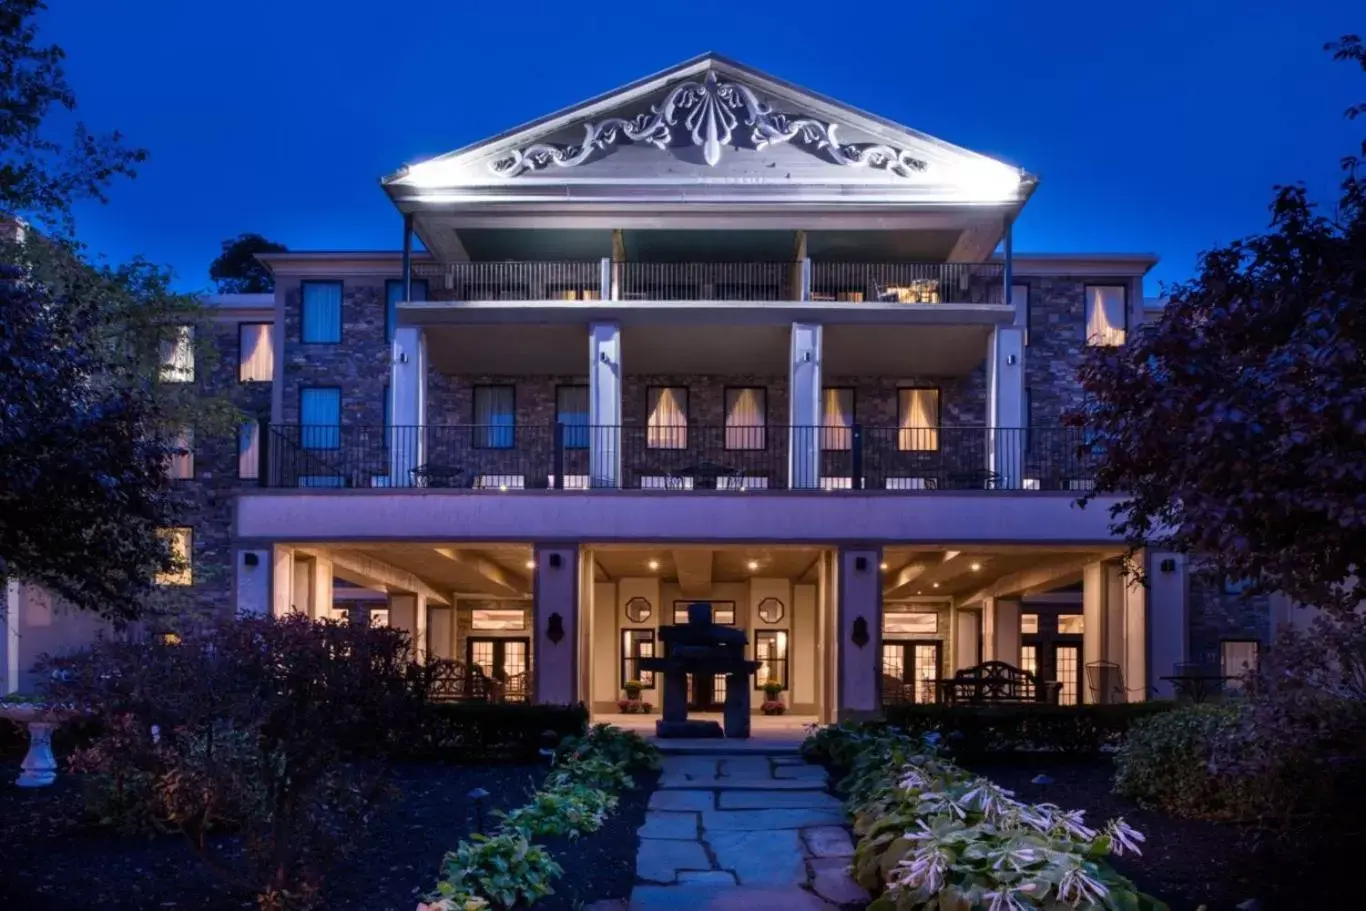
(919, 420)
(182, 455)
(745, 418)
(256, 357)
(667, 424)
(248, 450)
(494, 416)
(177, 356)
(837, 417)
(181, 541)
(322, 312)
(571, 410)
(1105, 315)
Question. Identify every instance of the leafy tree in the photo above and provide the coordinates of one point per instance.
(238, 271)
(85, 425)
(1234, 426)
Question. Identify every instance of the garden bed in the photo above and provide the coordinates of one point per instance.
(52, 860)
(1186, 863)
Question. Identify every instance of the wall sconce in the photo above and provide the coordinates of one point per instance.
(554, 630)
(602, 356)
(1010, 359)
(250, 559)
(861, 564)
(806, 356)
(554, 561)
(1167, 566)
(859, 635)
(403, 357)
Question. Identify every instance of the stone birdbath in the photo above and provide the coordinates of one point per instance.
(41, 718)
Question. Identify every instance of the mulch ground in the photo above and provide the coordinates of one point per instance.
(1186, 863)
(51, 859)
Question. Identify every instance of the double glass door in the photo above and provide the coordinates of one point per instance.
(503, 660)
(1050, 649)
(910, 668)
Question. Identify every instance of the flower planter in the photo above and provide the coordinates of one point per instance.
(773, 707)
(39, 768)
(634, 707)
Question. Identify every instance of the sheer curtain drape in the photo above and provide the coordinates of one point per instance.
(257, 356)
(667, 424)
(571, 410)
(919, 431)
(745, 418)
(493, 417)
(837, 419)
(322, 312)
(1105, 315)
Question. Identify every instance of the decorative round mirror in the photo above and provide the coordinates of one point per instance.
(771, 610)
(638, 610)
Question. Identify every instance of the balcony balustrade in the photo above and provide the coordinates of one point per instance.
(755, 282)
(680, 458)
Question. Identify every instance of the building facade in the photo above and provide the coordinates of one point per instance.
(709, 336)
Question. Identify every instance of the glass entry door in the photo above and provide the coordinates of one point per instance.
(706, 692)
(503, 660)
(1050, 649)
(910, 668)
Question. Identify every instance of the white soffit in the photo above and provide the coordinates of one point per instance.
(713, 123)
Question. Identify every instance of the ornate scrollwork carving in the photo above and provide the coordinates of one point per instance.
(711, 112)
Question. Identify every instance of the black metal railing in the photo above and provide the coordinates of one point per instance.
(509, 281)
(707, 281)
(909, 283)
(678, 458)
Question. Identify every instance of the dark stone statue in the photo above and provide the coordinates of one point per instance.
(702, 647)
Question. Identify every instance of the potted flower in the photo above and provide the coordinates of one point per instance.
(632, 704)
(773, 698)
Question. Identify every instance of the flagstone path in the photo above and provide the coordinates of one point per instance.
(744, 832)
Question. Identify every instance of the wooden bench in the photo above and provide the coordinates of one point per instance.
(996, 683)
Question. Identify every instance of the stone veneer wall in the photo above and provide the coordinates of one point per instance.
(1215, 615)
(359, 365)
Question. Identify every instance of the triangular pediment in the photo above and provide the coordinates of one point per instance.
(711, 121)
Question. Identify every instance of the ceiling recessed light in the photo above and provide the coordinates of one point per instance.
(531, 564)
(936, 585)
(883, 567)
(503, 488)
(975, 567)
(653, 564)
(753, 565)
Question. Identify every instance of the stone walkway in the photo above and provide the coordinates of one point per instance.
(744, 832)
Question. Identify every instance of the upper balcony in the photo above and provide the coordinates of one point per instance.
(871, 285)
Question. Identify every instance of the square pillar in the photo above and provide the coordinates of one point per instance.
(604, 404)
(407, 405)
(967, 638)
(555, 614)
(282, 581)
(1006, 419)
(1167, 615)
(859, 584)
(320, 588)
(251, 583)
(804, 407)
(408, 612)
(1005, 619)
(1137, 677)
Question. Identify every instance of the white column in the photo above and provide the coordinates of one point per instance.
(282, 581)
(251, 583)
(407, 405)
(555, 613)
(1095, 597)
(860, 632)
(604, 404)
(1168, 593)
(1137, 678)
(408, 611)
(1006, 618)
(11, 678)
(804, 407)
(1005, 406)
(320, 589)
(967, 638)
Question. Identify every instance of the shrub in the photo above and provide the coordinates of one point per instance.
(257, 724)
(615, 745)
(975, 731)
(479, 732)
(933, 837)
(569, 809)
(1165, 762)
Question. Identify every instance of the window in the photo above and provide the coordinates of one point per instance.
(1071, 624)
(181, 541)
(1238, 657)
(255, 353)
(321, 320)
(666, 425)
(837, 417)
(1106, 307)
(320, 417)
(177, 356)
(1019, 300)
(770, 650)
(918, 419)
(393, 294)
(918, 623)
(484, 619)
(1029, 624)
(571, 410)
(181, 466)
(637, 644)
(249, 450)
(745, 417)
(494, 417)
(722, 612)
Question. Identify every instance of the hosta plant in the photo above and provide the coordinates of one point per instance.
(591, 770)
(504, 871)
(933, 837)
(571, 810)
(612, 743)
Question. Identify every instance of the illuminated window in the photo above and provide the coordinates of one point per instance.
(770, 650)
(666, 425)
(1105, 314)
(181, 541)
(637, 644)
(177, 356)
(837, 419)
(918, 420)
(745, 417)
(1238, 658)
(1071, 624)
(255, 353)
(1029, 624)
(182, 456)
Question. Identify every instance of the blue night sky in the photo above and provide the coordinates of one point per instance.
(1154, 127)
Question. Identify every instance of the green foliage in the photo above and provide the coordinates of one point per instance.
(975, 731)
(480, 732)
(567, 809)
(934, 837)
(1165, 762)
(593, 770)
(614, 744)
(505, 870)
(236, 270)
